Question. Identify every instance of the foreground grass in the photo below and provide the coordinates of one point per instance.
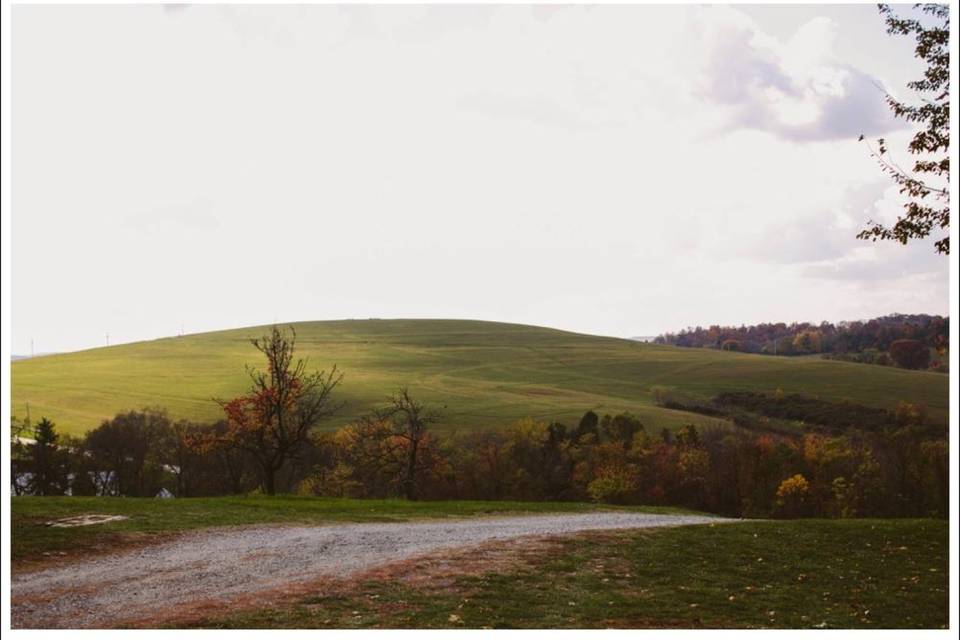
(149, 518)
(786, 574)
(486, 374)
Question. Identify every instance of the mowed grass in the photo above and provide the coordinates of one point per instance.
(787, 574)
(485, 374)
(150, 519)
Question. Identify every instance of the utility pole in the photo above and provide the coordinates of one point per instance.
(31, 347)
(108, 338)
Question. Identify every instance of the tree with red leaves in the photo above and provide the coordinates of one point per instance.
(910, 354)
(273, 421)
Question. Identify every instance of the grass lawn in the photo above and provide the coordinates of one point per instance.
(773, 574)
(485, 374)
(150, 518)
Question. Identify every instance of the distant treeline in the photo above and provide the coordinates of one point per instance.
(783, 456)
(787, 413)
(864, 341)
(898, 470)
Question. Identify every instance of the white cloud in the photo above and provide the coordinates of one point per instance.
(796, 89)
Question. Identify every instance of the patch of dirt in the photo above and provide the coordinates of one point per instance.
(104, 544)
(84, 520)
(440, 570)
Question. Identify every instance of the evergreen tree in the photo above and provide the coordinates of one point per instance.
(48, 462)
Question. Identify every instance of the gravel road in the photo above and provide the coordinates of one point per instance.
(227, 563)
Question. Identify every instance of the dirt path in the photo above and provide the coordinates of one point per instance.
(220, 565)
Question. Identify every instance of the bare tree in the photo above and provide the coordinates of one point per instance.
(411, 420)
(273, 421)
(388, 446)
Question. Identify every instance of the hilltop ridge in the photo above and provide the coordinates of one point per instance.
(483, 374)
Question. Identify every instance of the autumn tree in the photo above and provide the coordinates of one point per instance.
(927, 186)
(409, 420)
(910, 354)
(687, 437)
(614, 484)
(389, 450)
(272, 422)
(370, 459)
(792, 497)
(807, 342)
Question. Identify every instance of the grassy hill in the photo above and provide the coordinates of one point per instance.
(486, 373)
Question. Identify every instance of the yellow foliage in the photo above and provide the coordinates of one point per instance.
(794, 487)
(807, 342)
(910, 413)
(693, 465)
(528, 431)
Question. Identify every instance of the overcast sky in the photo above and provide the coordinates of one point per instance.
(611, 170)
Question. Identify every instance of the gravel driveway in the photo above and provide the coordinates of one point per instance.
(221, 564)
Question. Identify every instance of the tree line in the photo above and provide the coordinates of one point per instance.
(607, 459)
(266, 442)
(892, 340)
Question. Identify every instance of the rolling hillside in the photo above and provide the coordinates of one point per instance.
(486, 373)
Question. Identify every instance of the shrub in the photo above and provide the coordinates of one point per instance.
(337, 482)
(910, 413)
(731, 345)
(910, 354)
(613, 484)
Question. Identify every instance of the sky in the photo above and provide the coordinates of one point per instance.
(609, 170)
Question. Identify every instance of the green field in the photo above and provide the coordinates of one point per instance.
(486, 374)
